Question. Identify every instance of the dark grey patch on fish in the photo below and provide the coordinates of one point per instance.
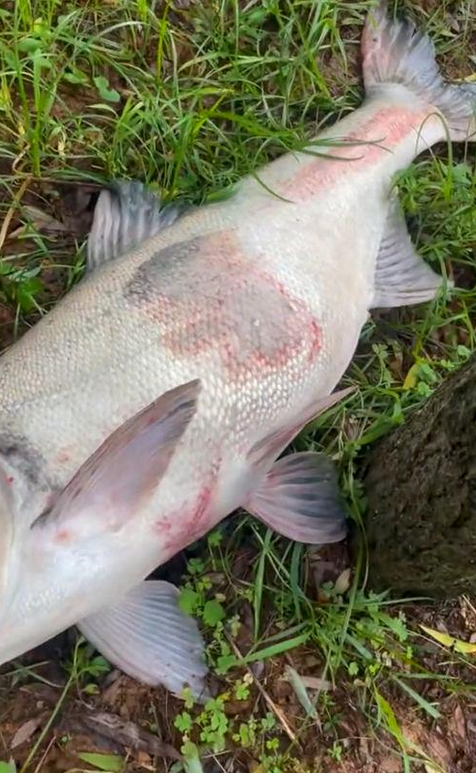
(17, 451)
(155, 271)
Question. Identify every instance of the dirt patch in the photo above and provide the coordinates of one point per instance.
(46, 223)
(111, 713)
(137, 723)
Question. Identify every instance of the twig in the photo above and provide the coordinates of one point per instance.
(16, 199)
(48, 725)
(268, 700)
(128, 734)
(45, 754)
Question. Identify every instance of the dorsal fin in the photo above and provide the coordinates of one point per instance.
(126, 215)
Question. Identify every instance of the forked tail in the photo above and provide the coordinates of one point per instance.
(395, 52)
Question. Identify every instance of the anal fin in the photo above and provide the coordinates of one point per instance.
(300, 499)
(148, 637)
(402, 277)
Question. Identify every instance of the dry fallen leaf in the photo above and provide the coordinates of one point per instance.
(342, 584)
(25, 732)
(144, 760)
(449, 641)
(128, 734)
(39, 220)
(316, 683)
(457, 723)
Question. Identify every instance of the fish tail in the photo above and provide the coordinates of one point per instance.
(394, 52)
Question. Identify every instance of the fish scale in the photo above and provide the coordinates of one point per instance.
(157, 396)
(153, 351)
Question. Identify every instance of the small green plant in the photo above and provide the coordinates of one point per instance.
(110, 763)
(212, 729)
(7, 767)
(336, 752)
(21, 286)
(87, 667)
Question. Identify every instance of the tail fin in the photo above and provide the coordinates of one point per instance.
(395, 52)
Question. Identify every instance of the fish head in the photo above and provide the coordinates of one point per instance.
(82, 552)
(8, 519)
(25, 493)
(28, 568)
(51, 580)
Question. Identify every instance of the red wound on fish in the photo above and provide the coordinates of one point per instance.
(63, 536)
(315, 338)
(63, 457)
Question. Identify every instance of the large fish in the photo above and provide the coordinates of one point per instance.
(157, 396)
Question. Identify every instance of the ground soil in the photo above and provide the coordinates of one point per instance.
(137, 722)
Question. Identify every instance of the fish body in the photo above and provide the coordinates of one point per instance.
(212, 342)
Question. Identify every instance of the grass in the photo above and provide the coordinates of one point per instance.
(190, 98)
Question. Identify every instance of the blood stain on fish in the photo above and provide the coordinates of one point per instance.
(375, 137)
(63, 457)
(180, 529)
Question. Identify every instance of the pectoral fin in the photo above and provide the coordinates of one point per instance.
(148, 637)
(126, 468)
